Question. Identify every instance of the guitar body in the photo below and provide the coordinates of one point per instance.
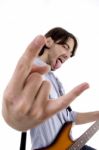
(62, 141)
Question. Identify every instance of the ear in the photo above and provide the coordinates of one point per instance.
(49, 42)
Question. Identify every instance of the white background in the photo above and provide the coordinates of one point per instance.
(21, 21)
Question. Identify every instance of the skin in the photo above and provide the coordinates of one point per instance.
(57, 51)
(26, 101)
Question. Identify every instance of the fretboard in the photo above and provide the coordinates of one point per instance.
(80, 142)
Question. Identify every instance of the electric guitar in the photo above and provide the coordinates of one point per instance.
(64, 142)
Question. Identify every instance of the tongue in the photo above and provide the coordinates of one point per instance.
(58, 64)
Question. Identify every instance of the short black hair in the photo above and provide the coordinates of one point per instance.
(60, 36)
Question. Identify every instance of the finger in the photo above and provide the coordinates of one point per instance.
(30, 91)
(63, 101)
(43, 93)
(40, 69)
(40, 101)
(33, 49)
(25, 63)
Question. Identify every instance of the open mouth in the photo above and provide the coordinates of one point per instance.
(58, 63)
(60, 60)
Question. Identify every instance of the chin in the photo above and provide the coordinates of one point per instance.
(52, 69)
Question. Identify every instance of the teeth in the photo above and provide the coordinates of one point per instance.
(60, 59)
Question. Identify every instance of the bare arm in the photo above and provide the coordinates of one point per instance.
(87, 117)
(26, 98)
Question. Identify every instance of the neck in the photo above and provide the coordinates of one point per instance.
(44, 57)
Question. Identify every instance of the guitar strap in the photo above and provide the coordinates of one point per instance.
(69, 108)
(23, 141)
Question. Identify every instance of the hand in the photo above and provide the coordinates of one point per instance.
(26, 99)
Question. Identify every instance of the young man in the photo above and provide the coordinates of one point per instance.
(34, 98)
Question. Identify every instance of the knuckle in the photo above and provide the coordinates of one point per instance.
(21, 108)
(37, 113)
(8, 96)
(47, 84)
(38, 76)
(34, 80)
(35, 77)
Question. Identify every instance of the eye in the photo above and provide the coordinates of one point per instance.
(65, 46)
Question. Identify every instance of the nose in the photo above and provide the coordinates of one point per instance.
(68, 54)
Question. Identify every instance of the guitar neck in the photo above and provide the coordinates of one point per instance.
(79, 143)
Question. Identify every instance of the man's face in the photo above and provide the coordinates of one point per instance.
(59, 53)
